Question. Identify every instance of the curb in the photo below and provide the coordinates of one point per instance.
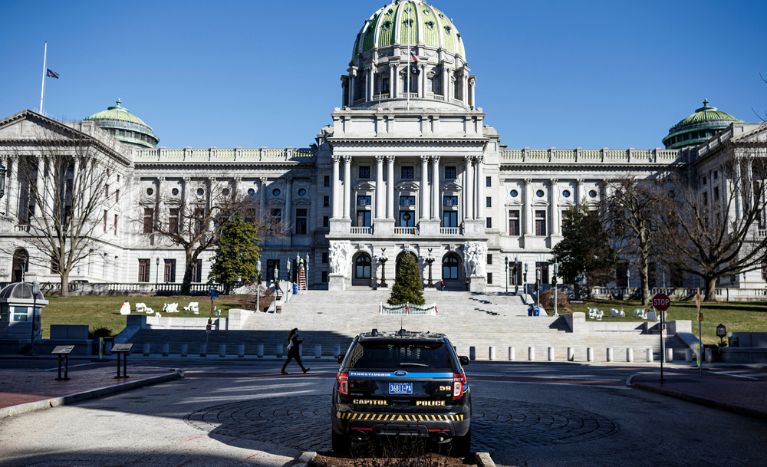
(304, 459)
(699, 400)
(90, 394)
(484, 459)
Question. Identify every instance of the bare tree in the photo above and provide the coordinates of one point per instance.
(63, 190)
(196, 224)
(631, 216)
(713, 236)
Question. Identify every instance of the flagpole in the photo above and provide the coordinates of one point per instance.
(45, 66)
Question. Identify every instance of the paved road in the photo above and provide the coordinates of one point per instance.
(244, 412)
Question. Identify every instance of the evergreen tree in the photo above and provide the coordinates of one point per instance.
(585, 247)
(237, 253)
(408, 286)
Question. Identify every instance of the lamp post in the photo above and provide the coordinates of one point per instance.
(721, 332)
(156, 272)
(628, 281)
(554, 281)
(516, 275)
(506, 260)
(2, 180)
(524, 281)
(258, 285)
(429, 260)
(383, 268)
(35, 291)
(538, 286)
(289, 278)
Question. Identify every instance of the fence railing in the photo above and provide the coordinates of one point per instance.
(449, 230)
(120, 288)
(404, 230)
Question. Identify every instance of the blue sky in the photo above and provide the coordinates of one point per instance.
(257, 73)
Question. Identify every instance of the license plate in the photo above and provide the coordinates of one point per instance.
(400, 388)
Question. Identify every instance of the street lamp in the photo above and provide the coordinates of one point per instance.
(506, 260)
(156, 272)
(721, 332)
(538, 286)
(289, 278)
(35, 291)
(524, 281)
(2, 180)
(516, 275)
(554, 281)
(383, 260)
(258, 285)
(429, 260)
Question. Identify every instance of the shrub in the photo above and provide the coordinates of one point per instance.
(547, 300)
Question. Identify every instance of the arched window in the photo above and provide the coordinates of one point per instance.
(450, 265)
(362, 266)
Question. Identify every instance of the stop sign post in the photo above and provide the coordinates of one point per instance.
(661, 302)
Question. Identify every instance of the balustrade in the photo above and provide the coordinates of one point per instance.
(361, 230)
(404, 230)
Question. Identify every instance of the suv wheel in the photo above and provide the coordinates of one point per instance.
(340, 443)
(461, 445)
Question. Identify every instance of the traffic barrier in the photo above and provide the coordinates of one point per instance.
(472, 353)
(203, 350)
(241, 350)
(260, 350)
(570, 354)
(184, 349)
(279, 351)
(590, 354)
(609, 354)
(491, 353)
(222, 350)
(165, 349)
(317, 350)
(551, 354)
(147, 348)
(669, 354)
(648, 351)
(512, 354)
(629, 355)
(531, 353)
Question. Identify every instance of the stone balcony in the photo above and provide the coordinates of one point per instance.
(386, 228)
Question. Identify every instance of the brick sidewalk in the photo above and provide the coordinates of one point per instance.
(724, 392)
(19, 386)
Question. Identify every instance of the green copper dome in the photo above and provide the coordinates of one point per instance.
(125, 126)
(409, 22)
(698, 127)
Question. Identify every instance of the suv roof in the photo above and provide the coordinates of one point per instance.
(401, 334)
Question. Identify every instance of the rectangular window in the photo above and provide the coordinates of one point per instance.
(363, 218)
(621, 275)
(325, 258)
(488, 222)
(326, 181)
(406, 219)
(449, 219)
(407, 172)
(716, 193)
(324, 276)
(117, 196)
(407, 200)
(325, 222)
(489, 277)
(450, 201)
(197, 271)
(143, 270)
(199, 219)
(272, 266)
(705, 199)
(301, 221)
(325, 201)
(514, 222)
(385, 85)
(170, 270)
(106, 191)
(450, 172)
(115, 225)
(488, 181)
(540, 223)
(276, 216)
(20, 313)
(173, 220)
(363, 200)
(148, 220)
(106, 215)
(489, 259)
(488, 201)
(364, 172)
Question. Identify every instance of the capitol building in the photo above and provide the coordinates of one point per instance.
(407, 165)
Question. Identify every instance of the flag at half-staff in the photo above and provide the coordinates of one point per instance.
(47, 73)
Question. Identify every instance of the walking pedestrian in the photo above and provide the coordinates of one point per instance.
(294, 351)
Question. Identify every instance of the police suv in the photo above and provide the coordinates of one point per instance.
(401, 384)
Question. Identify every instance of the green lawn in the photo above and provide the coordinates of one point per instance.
(100, 311)
(737, 316)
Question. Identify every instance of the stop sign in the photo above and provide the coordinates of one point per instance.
(661, 302)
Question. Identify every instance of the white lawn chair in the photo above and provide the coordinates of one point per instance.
(616, 313)
(125, 309)
(149, 311)
(640, 313)
(193, 307)
(170, 308)
(599, 314)
(140, 308)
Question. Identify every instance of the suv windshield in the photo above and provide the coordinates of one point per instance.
(392, 354)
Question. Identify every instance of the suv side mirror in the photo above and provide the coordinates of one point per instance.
(463, 359)
(341, 358)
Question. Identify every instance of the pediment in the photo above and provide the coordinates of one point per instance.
(365, 186)
(407, 186)
(451, 186)
(759, 135)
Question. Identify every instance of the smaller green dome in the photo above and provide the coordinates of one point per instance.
(698, 127)
(125, 126)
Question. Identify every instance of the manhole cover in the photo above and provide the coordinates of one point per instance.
(303, 423)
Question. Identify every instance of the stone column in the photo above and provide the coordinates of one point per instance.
(352, 85)
(469, 190)
(40, 188)
(424, 188)
(473, 92)
(435, 188)
(422, 81)
(554, 204)
(392, 81)
(480, 202)
(748, 189)
(262, 197)
(287, 224)
(12, 190)
(738, 186)
(579, 191)
(529, 215)
(465, 86)
(347, 186)
(380, 189)
(390, 187)
(335, 202)
(446, 82)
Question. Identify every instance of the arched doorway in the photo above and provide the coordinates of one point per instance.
(363, 269)
(20, 264)
(399, 261)
(452, 272)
